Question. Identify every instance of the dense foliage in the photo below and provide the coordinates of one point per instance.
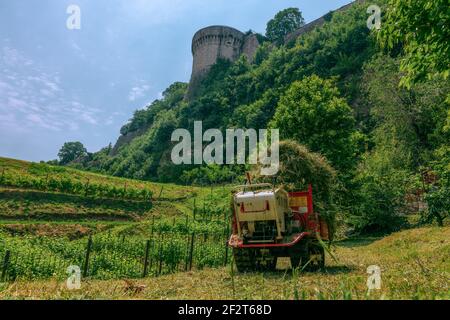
(422, 28)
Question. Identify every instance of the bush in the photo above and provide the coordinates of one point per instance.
(381, 185)
(438, 198)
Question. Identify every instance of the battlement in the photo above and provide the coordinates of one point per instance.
(217, 35)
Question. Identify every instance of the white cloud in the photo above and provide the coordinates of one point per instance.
(31, 97)
(138, 92)
(16, 103)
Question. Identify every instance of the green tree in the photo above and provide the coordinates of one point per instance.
(284, 23)
(380, 185)
(406, 125)
(71, 151)
(312, 113)
(412, 118)
(422, 27)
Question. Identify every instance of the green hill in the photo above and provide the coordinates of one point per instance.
(36, 191)
(336, 90)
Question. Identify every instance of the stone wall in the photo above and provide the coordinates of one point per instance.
(317, 23)
(250, 46)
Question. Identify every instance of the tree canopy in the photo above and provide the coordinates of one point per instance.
(283, 23)
(313, 113)
(71, 151)
(422, 28)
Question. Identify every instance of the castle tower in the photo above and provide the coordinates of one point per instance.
(212, 43)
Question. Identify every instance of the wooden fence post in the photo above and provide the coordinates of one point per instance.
(88, 253)
(204, 211)
(5, 265)
(152, 245)
(195, 207)
(226, 253)
(147, 251)
(86, 187)
(186, 262)
(161, 254)
(191, 251)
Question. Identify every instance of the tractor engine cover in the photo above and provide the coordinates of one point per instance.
(260, 215)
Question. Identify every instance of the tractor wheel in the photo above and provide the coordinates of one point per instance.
(299, 256)
(316, 257)
(244, 259)
(265, 260)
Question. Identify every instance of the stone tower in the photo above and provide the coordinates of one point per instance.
(212, 43)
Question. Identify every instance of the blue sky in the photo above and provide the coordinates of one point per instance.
(59, 85)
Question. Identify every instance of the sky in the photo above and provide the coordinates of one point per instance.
(59, 84)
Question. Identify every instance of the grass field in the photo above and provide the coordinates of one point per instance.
(46, 227)
(415, 264)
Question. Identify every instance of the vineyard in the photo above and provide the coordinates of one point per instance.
(53, 218)
(111, 257)
(43, 177)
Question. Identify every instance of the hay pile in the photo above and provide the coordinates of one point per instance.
(300, 167)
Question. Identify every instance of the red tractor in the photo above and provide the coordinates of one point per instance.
(269, 223)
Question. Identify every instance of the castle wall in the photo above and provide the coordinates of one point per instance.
(316, 23)
(250, 46)
(211, 43)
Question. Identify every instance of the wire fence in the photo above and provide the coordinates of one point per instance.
(114, 257)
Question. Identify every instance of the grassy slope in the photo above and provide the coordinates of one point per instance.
(33, 205)
(415, 264)
(170, 192)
